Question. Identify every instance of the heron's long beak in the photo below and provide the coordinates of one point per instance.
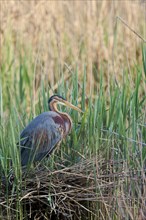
(66, 103)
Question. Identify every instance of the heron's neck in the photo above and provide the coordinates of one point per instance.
(67, 122)
(66, 118)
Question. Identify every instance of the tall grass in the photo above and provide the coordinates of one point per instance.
(112, 128)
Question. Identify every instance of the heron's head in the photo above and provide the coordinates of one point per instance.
(57, 99)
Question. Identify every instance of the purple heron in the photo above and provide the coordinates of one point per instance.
(45, 132)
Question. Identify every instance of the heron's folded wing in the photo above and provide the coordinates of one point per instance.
(39, 142)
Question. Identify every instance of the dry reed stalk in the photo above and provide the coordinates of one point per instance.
(80, 189)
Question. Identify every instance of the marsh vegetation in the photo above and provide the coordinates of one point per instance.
(78, 51)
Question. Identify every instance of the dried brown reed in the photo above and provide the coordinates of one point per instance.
(75, 32)
(102, 186)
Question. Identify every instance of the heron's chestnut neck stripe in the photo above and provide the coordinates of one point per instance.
(65, 120)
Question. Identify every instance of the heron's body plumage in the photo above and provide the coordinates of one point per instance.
(41, 136)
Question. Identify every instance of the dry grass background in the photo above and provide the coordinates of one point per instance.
(75, 32)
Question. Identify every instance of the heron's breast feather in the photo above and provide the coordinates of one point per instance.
(58, 120)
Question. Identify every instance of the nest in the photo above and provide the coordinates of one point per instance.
(73, 192)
